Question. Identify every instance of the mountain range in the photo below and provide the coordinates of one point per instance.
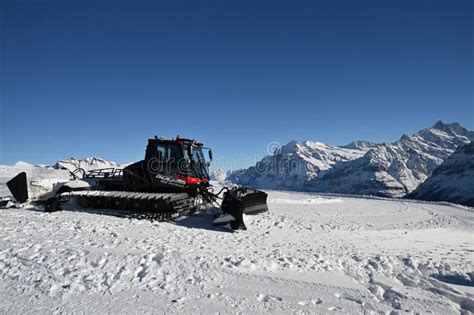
(362, 167)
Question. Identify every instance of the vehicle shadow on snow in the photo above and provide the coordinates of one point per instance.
(106, 212)
(196, 221)
(457, 279)
(201, 221)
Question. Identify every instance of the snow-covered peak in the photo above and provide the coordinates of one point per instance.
(88, 164)
(316, 145)
(218, 175)
(289, 148)
(454, 127)
(360, 145)
(440, 141)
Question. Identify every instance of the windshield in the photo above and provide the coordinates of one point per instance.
(198, 163)
(198, 156)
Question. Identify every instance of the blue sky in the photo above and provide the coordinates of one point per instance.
(98, 78)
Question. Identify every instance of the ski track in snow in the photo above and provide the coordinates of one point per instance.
(308, 254)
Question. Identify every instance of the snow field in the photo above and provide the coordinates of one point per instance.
(308, 254)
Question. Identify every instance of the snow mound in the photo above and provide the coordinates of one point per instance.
(40, 179)
(24, 165)
(87, 164)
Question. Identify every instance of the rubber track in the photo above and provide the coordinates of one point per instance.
(157, 206)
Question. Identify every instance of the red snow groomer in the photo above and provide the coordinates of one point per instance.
(171, 181)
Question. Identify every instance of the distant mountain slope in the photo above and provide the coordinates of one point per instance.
(452, 181)
(295, 165)
(218, 175)
(395, 169)
(362, 167)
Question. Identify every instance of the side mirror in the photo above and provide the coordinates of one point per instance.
(190, 150)
(210, 154)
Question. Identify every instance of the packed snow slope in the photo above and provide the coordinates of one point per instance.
(453, 180)
(309, 254)
(363, 168)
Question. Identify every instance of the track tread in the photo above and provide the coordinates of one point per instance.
(155, 206)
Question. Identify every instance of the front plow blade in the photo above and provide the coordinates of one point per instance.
(255, 201)
(240, 201)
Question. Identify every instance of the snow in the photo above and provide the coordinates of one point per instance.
(41, 179)
(306, 201)
(87, 164)
(310, 253)
(360, 145)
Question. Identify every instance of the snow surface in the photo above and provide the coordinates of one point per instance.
(309, 254)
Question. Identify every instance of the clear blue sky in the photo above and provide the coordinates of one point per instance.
(98, 78)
